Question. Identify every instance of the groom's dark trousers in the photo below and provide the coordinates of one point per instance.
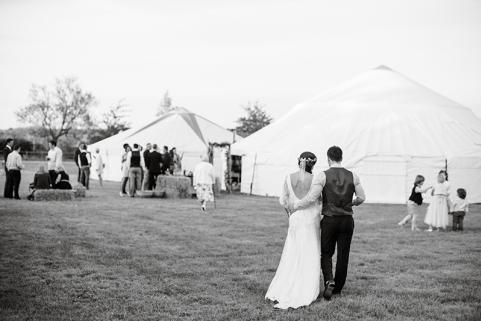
(336, 230)
(337, 225)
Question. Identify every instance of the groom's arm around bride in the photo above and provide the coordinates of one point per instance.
(318, 183)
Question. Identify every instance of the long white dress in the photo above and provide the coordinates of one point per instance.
(297, 279)
(437, 214)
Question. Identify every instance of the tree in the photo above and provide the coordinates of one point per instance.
(59, 110)
(113, 120)
(256, 119)
(165, 106)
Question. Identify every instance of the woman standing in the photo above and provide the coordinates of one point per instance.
(297, 279)
(203, 181)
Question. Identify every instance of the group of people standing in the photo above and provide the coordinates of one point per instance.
(54, 177)
(141, 168)
(442, 205)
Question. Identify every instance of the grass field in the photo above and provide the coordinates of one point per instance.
(111, 258)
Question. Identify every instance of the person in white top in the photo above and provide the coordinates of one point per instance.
(14, 166)
(98, 164)
(459, 208)
(203, 181)
(437, 214)
(54, 159)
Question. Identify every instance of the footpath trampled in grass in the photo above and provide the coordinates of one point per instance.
(112, 258)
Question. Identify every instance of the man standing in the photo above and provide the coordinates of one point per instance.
(166, 161)
(85, 161)
(155, 167)
(14, 166)
(146, 183)
(337, 186)
(135, 163)
(7, 150)
(75, 159)
(54, 160)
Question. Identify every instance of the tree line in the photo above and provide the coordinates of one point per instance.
(64, 112)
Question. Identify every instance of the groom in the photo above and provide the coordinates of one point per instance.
(337, 186)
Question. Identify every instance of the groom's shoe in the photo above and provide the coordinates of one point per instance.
(328, 290)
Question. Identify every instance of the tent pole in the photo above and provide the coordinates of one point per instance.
(229, 172)
(253, 172)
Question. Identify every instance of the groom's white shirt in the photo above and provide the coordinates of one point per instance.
(318, 182)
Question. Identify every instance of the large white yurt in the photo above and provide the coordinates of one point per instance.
(187, 131)
(390, 128)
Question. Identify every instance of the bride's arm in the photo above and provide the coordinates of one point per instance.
(284, 198)
(318, 182)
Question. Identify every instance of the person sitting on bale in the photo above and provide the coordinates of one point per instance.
(41, 180)
(63, 180)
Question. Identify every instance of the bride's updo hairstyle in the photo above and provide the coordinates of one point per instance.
(307, 160)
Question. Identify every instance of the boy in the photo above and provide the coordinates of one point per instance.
(459, 209)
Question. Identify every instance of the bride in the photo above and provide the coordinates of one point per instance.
(297, 278)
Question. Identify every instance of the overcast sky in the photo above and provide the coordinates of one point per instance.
(215, 55)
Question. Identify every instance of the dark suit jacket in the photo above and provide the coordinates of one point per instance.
(75, 157)
(155, 164)
(147, 159)
(7, 150)
(166, 160)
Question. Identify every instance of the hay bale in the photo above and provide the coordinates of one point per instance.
(53, 195)
(173, 186)
(59, 194)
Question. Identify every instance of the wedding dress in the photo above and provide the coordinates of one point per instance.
(297, 279)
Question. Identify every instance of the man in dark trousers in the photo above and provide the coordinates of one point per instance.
(14, 166)
(148, 149)
(337, 186)
(75, 159)
(8, 183)
(166, 161)
(155, 167)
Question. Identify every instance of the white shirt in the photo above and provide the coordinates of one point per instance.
(55, 159)
(204, 174)
(14, 161)
(459, 205)
(318, 182)
(129, 156)
(87, 155)
(98, 161)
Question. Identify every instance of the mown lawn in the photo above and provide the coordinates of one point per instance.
(112, 258)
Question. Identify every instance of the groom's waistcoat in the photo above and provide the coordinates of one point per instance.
(338, 192)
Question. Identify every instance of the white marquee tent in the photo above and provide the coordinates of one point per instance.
(188, 132)
(390, 129)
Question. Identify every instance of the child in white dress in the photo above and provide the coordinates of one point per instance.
(437, 214)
